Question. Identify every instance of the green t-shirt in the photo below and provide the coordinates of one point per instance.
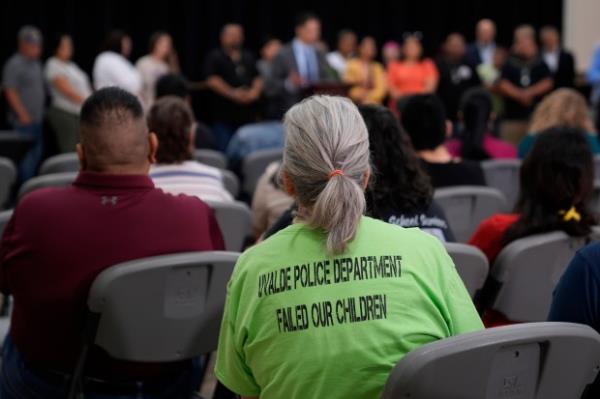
(301, 324)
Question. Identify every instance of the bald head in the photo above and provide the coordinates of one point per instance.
(113, 133)
(485, 31)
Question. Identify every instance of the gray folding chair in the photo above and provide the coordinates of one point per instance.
(4, 218)
(255, 164)
(60, 163)
(235, 221)
(527, 272)
(525, 361)
(160, 309)
(52, 180)
(467, 206)
(211, 158)
(504, 175)
(471, 264)
(8, 176)
(231, 182)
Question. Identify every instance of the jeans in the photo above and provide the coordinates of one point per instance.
(223, 133)
(17, 381)
(31, 161)
(254, 137)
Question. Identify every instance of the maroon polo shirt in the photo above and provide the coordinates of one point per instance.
(60, 239)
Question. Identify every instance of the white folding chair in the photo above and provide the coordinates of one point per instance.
(211, 158)
(52, 180)
(467, 206)
(525, 361)
(504, 175)
(8, 176)
(255, 164)
(471, 264)
(235, 221)
(60, 163)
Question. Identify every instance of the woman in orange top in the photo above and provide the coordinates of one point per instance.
(413, 74)
(366, 76)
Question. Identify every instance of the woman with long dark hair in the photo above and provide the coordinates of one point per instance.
(160, 60)
(112, 66)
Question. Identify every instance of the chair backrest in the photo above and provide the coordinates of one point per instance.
(161, 309)
(467, 206)
(528, 270)
(235, 221)
(60, 163)
(53, 180)
(525, 361)
(211, 158)
(231, 182)
(4, 218)
(472, 265)
(8, 176)
(504, 175)
(255, 164)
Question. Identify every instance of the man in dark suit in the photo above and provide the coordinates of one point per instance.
(482, 50)
(297, 66)
(559, 61)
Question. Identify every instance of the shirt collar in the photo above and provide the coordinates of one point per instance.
(106, 180)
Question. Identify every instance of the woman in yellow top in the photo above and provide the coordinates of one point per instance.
(366, 75)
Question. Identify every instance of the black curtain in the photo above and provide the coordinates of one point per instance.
(195, 24)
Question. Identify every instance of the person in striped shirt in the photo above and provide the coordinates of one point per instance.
(176, 172)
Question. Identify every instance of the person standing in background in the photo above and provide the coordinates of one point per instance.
(161, 60)
(390, 52)
(559, 61)
(366, 75)
(23, 82)
(346, 49)
(482, 51)
(69, 87)
(232, 76)
(113, 68)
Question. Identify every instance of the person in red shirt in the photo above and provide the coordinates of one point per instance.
(60, 239)
(557, 182)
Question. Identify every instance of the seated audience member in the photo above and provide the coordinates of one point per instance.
(69, 87)
(161, 60)
(346, 49)
(176, 85)
(23, 87)
(401, 192)
(249, 138)
(475, 140)
(456, 74)
(326, 168)
(111, 214)
(176, 172)
(412, 74)
(557, 181)
(525, 79)
(390, 52)
(366, 75)
(559, 61)
(299, 65)
(113, 68)
(424, 120)
(236, 85)
(561, 108)
(483, 49)
(269, 201)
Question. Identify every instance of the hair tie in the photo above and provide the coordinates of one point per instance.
(571, 214)
(336, 172)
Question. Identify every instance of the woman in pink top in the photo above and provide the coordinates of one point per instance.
(412, 74)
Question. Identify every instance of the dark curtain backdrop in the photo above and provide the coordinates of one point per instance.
(195, 24)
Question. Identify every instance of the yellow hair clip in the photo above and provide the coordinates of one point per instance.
(571, 214)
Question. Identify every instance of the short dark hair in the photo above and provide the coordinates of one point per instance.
(172, 85)
(304, 17)
(171, 119)
(114, 41)
(55, 42)
(424, 119)
(345, 32)
(558, 173)
(110, 100)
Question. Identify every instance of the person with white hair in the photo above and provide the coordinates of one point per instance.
(483, 49)
(337, 298)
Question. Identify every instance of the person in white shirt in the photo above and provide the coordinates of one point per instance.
(69, 87)
(175, 172)
(161, 60)
(346, 48)
(112, 67)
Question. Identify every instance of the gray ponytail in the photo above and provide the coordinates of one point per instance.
(324, 134)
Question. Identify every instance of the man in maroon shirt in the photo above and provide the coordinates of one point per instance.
(59, 240)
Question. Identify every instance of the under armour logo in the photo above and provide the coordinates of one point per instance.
(109, 200)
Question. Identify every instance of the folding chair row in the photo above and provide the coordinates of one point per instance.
(8, 177)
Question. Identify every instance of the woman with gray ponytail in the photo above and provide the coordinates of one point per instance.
(327, 306)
